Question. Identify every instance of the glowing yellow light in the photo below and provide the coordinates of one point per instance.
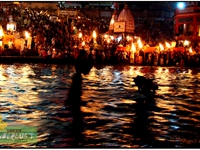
(161, 46)
(167, 45)
(83, 43)
(94, 35)
(190, 50)
(140, 43)
(80, 35)
(105, 36)
(112, 21)
(133, 49)
(127, 37)
(112, 37)
(10, 27)
(186, 43)
(27, 34)
(173, 44)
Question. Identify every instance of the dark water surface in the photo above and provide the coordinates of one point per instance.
(34, 95)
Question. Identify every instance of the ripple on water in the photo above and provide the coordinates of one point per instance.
(115, 114)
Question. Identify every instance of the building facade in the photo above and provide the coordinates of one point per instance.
(187, 23)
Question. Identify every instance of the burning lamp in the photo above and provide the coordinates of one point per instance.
(186, 43)
(83, 43)
(11, 26)
(94, 35)
(132, 53)
(80, 35)
(28, 40)
(140, 45)
(161, 47)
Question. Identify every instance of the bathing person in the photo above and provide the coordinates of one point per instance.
(82, 66)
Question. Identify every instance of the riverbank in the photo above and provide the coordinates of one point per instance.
(38, 59)
(31, 59)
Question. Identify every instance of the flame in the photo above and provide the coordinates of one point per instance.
(190, 50)
(167, 45)
(108, 40)
(140, 43)
(128, 38)
(27, 34)
(105, 36)
(186, 43)
(83, 43)
(10, 27)
(112, 37)
(147, 45)
(133, 49)
(80, 35)
(112, 21)
(94, 35)
(173, 44)
(161, 46)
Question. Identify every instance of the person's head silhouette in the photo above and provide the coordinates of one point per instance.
(83, 64)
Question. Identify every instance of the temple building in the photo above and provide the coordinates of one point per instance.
(187, 22)
(125, 22)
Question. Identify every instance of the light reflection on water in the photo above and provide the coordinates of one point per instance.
(34, 94)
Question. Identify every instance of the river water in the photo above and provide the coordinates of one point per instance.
(114, 115)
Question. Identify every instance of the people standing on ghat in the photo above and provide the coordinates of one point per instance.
(57, 37)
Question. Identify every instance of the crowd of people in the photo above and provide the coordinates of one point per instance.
(59, 38)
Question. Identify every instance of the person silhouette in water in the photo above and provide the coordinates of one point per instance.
(83, 65)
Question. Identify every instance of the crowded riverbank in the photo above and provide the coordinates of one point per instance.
(38, 59)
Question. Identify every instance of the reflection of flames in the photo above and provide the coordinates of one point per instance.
(140, 43)
(161, 46)
(27, 34)
(167, 45)
(94, 35)
(133, 49)
(190, 50)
